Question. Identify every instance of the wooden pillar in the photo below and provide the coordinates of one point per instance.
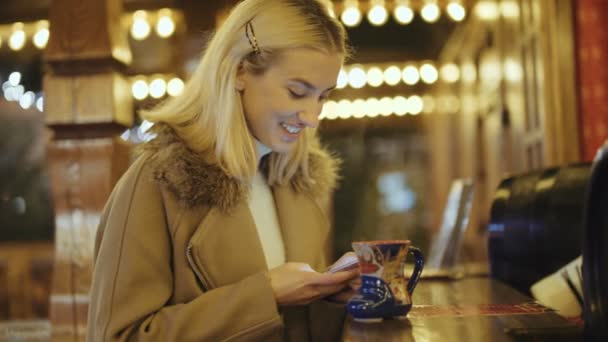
(87, 103)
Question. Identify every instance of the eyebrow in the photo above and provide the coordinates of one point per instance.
(309, 85)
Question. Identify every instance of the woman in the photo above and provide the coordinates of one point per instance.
(215, 231)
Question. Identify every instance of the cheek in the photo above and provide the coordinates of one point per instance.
(261, 112)
(273, 109)
(252, 105)
(265, 105)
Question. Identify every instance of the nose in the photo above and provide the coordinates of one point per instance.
(310, 116)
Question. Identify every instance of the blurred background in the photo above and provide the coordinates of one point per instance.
(436, 90)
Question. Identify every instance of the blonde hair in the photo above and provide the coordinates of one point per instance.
(209, 116)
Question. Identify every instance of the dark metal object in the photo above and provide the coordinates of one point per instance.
(595, 251)
(536, 224)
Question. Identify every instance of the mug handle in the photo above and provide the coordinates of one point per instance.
(418, 266)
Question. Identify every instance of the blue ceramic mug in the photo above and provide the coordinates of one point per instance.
(384, 292)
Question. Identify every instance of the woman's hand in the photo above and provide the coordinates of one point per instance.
(298, 284)
(353, 285)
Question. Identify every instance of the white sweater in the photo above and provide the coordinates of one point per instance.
(263, 210)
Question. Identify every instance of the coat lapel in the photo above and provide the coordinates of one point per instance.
(303, 226)
(227, 246)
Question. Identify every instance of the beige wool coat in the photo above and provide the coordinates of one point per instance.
(178, 258)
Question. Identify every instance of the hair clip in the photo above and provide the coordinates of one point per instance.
(250, 33)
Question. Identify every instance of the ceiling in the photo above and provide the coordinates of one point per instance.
(389, 43)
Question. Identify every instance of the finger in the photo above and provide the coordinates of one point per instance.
(334, 278)
(353, 275)
(300, 266)
(342, 296)
(355, 282)
(326, 290)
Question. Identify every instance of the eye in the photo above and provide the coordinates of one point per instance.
(295, 94)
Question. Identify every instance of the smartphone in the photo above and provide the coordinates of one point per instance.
(345, 263)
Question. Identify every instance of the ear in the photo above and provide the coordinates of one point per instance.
(240, 78)
(240, 83)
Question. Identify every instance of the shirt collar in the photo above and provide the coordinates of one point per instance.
(261, 150)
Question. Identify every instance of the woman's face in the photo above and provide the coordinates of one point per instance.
(288, 98)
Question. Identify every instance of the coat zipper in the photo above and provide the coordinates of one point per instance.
(199, 274)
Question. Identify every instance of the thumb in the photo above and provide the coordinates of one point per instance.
(334, 278)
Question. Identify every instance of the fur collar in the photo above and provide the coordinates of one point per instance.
(195, 182)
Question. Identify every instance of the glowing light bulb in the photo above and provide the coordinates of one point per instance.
(140, 89)
(344, 109)
(430, 12)
(140, 29)
(400, 106)
(386, 106)
(175, 87)
(456, 11)
(428, 104)
(165, 25)
(415, 104)
(410, 75)
(357, 78)
(27, 100)
(41, 37)
(358, 108)
(377, 16)
(351, 16)
(17, 38)
(509, 9)
(40, 104)
(330, 110)
(392, 75)
(450, 73)
(158, 88)
(372, 107)
(375, 76)
(486, 10)
(428, 73)
(512, 70)
(403, 14)
(14, 78)
(342, 79)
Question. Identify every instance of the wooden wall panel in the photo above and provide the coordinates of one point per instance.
(26, 270)
(517, 97)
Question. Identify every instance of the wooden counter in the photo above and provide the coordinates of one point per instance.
(473, 309)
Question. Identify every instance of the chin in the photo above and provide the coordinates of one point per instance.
(283, 147)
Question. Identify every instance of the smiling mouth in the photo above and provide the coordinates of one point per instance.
(291, 129)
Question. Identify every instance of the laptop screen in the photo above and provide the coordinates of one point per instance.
(445, 248)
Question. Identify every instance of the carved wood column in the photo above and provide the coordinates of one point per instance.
(87, 103)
